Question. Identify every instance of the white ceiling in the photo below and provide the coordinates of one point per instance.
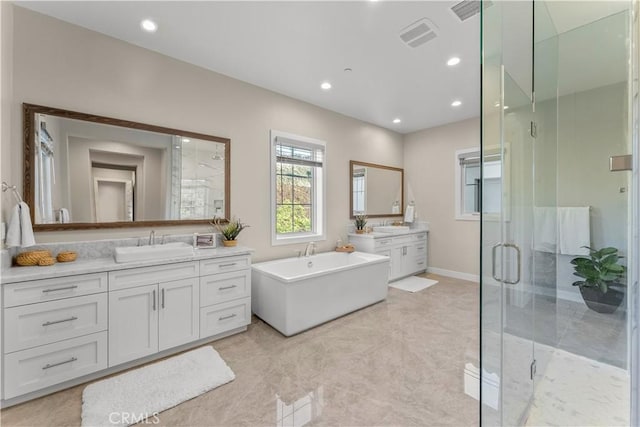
(292, 47)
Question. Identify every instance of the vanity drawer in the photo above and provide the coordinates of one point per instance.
(223, 287)
(383, 243)
(131, 278)
(399, 240)
(30, 370)
(421, 249)
(38, 324)
(224, 317)
(53, 289)
(224, 265)
(420, 236)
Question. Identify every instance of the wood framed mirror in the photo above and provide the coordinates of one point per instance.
(375, 190)
(83, 171)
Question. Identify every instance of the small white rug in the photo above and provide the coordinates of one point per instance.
(413, 284)
(141, 394)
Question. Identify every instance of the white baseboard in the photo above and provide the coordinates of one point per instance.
(454, 274)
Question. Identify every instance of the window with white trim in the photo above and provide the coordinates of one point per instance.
(470, 185)
(297, 189)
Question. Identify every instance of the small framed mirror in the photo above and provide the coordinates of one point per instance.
(83, 171)
(376, 190)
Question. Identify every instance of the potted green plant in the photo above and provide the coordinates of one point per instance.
(361, 222)
(229, 229)
(602, 279)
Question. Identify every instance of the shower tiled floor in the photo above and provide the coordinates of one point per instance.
(577, 391)
(399, 362)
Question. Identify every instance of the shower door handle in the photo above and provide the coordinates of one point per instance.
(519, 263)
(493, 262)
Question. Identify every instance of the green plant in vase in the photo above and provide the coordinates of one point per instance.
(229, 229)
(361, 223)
(602, 278)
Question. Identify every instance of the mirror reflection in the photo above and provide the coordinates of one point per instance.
(376, 190)
(97, 173)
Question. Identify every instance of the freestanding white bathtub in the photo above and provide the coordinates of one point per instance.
(295, 294)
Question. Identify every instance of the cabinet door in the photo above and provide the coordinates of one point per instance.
(397, 262)
(179, 312)
(387, 252)
(410, 260)
(133, 323)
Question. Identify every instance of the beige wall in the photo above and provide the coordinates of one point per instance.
(6, 91)
(89, 72)
(429, 161)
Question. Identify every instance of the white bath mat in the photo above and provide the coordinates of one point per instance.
(413, 284)
(142, 393)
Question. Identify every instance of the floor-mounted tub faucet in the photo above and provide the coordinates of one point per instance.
(311, 249)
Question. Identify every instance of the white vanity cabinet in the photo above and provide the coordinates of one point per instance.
(61, 331)
(148, 314)
(407, 251)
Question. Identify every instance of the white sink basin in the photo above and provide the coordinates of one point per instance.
(391, 228)
(153, 252)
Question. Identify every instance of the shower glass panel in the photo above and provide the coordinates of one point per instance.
(507, 297)
(555, 102)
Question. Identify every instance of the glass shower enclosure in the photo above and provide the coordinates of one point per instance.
(558, 113)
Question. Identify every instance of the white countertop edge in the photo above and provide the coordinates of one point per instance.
(378, 234)
(98, 265)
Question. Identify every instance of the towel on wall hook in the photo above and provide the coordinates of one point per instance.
(409, 214)
(20, 231)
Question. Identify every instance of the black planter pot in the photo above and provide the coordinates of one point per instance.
(602, 303)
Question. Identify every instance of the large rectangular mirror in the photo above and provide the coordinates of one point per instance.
(84, 171)
(376, 190)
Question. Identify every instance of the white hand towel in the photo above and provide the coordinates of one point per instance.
(20, 231)
(545, 227)
(573, 231)
(64, 216)
(408, 214)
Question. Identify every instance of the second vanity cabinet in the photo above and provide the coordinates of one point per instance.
(65, 328)
(407, 251)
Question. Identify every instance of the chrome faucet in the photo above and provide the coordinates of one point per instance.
(152, 238)
(311, 249)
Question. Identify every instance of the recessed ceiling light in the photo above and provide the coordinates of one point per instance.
(456, 103)
(396, 121)
(148, 25)
(506, 107)
(453, 61)
(325, 86)
(186, 140)
(348, 70)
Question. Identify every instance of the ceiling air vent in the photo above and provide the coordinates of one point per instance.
(468, 8)
(418, 33)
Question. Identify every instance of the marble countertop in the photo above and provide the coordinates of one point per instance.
(97, 265)
(378, 234)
